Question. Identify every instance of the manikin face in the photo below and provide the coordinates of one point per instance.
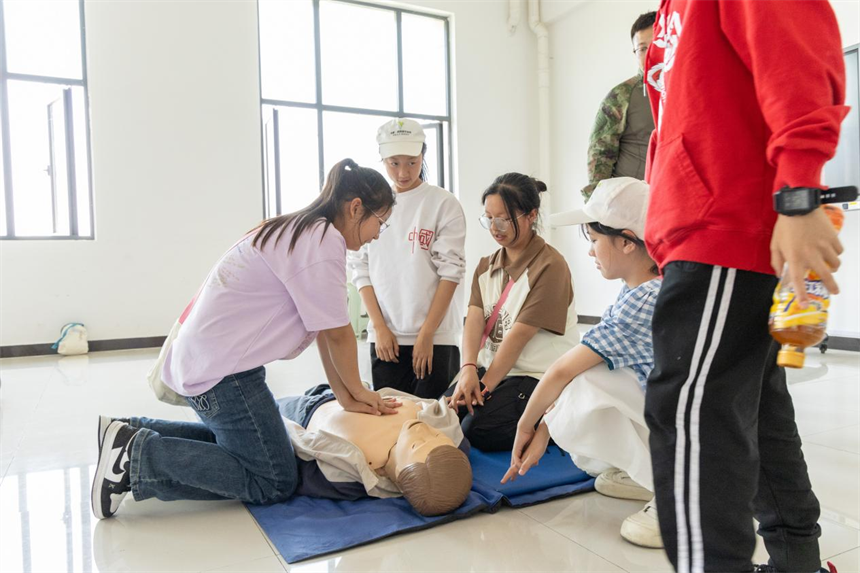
(641, 41)
(361, 232)
(404, 171)
(502, 227)
(414, 444)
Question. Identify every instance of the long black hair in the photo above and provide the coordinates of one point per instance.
(424, 173)
(345, 182)
(601, 229)
(519, 193)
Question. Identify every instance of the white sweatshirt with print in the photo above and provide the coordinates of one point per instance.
(424, 244)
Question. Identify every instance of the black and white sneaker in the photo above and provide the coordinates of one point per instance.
(104, 422)
(112, 481)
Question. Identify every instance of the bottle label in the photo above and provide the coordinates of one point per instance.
(785, 312)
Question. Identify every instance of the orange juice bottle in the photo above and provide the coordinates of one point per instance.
(798, 328)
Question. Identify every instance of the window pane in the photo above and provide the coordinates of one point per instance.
(354, 136)
(287, 50)
(37, 128)
(298, 157)
(43, 38)
(58, 165)
(431, 130)
(269, 176)
(82, 172)
(3, 230)
(359, 56)
(424, 65)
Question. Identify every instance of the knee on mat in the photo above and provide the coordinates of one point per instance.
(264, 491)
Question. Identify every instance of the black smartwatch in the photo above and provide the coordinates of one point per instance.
(793, 201)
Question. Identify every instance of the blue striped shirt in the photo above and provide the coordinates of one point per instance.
(623, 335)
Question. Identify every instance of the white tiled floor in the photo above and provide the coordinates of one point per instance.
(48, 409)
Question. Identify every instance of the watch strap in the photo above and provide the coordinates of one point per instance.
(845, 194)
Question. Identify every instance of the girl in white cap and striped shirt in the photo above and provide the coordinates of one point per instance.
(598, 387)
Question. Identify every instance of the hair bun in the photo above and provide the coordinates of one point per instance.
(540, 185)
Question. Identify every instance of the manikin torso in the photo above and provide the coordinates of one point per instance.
(373, 435)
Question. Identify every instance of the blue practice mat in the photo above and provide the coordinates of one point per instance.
(305, 527)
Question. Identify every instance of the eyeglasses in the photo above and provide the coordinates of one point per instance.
(500, 223)
(641, 50)
(382, 224)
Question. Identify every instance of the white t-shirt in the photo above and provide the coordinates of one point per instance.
(424, 244)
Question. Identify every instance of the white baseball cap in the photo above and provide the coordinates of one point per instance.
(620, 203)
(400, 137)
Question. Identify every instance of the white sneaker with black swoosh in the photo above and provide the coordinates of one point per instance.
(112, 481)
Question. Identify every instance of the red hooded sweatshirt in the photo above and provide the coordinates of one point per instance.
(747, 97)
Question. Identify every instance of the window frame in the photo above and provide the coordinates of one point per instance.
(5, 76)
(446, 156)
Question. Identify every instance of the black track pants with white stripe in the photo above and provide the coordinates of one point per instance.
(724, 445)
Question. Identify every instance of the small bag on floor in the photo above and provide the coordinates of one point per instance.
(73, 340)
(161, 390)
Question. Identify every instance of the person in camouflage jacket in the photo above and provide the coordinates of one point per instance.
(623, 126)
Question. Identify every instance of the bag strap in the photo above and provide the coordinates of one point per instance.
(494, 316)
(64, 332)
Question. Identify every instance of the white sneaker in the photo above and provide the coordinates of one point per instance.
(642, 528)
(616, 483)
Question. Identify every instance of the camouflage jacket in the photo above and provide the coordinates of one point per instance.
(612, 137)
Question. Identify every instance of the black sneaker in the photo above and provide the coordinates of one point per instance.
(104, 422)
(112, 481)
(768, 568)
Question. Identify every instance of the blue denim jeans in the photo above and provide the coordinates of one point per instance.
(240, 450)
(300, 409)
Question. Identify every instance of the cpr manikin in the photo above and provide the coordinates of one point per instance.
(409, 448)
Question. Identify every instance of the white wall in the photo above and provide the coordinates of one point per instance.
(174, 108)
(591, 53)
(174, 112)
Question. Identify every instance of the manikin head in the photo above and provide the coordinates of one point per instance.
(433, 474)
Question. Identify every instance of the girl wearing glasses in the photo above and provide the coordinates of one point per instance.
(506, 352)
(409, 279)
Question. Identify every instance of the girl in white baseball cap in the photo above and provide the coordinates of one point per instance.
(409, 280)
(592, 400)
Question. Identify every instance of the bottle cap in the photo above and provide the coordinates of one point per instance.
(790, 358)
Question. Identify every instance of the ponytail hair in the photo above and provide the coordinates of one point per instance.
(345, 182)
(519, 193)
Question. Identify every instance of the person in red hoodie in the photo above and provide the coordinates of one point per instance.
(747, 97)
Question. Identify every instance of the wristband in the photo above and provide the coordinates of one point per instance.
(469, 364)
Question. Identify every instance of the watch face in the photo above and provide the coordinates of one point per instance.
(796, 201)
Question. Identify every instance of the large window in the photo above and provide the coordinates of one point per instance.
(332, 72)
(45, 132)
